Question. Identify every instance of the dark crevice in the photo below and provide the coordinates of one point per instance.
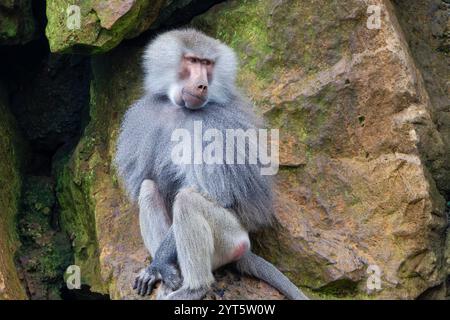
(174, 16)
(424, 24)
(84, 293)
(49, 98)
(433, 293)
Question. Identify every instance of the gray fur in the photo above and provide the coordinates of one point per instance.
(195, 251)
(153, 218)
(218, 233)
(164, 267)
(256, 266)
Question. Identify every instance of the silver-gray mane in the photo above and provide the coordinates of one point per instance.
(144, 145)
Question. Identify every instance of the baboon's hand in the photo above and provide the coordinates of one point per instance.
(148, 277)
(146, 280)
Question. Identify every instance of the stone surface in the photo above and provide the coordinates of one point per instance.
(427, 29)
(45, 252)
(361, 148)
(10, 180)
(357, 134)
(103, 24)
(17, 25)
(96, 214)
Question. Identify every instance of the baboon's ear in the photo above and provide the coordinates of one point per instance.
(223, 83)
(161, 60)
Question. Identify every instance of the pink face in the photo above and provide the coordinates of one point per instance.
(195, 75)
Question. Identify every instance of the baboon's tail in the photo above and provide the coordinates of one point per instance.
(257, 267)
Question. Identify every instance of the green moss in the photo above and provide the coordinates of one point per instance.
(17, 24)
(85, 179)
(339, 288)
(9, 28)
(44, 253)
(11, 156)
(57, 257)
(272, 42)
(240, 26)
(99, 31)
(78, 220)
(304, 119)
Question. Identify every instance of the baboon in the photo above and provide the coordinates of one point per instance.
(194, 217)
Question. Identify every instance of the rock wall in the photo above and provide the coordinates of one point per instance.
(427, 31)
(97, 26)
(356, 133)
(364, 124)
(357, 136)
(10, 180)
(97, 216)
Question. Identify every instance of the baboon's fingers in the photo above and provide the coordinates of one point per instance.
(150, 285)
(142, 288)
(145, 281)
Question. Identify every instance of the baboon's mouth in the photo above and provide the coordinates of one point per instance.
(192, 101)
(193, 95)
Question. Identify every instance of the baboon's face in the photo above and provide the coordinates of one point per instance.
(194, 78)
(191, 69)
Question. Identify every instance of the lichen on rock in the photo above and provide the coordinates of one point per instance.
(102, 24)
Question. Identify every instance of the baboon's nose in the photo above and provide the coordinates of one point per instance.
(202, 89)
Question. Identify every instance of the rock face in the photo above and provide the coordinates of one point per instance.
(45, 253)
(17, 24)
(99, 219)
(363, 116)
(427, 29)
(357, 137)
(96, 26)
(10, 159)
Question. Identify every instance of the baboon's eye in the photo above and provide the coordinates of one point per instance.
(206, 62)
(193, 60)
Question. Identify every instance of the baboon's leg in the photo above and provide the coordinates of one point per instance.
(153, 218)
(159, 240)
(207, 236)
